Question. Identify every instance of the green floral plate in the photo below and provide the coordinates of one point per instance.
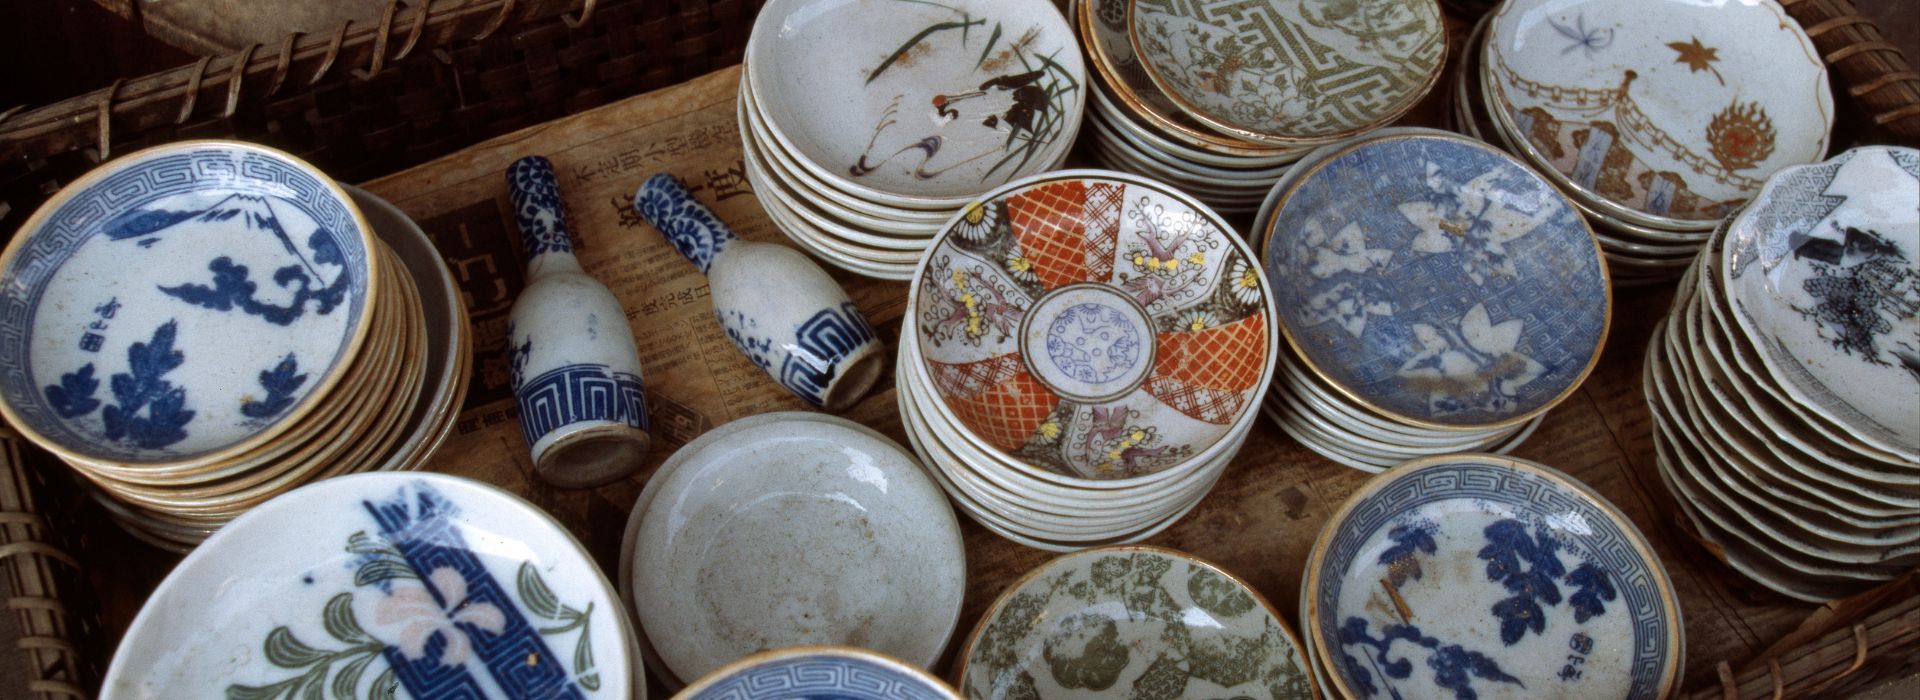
(1147, 622)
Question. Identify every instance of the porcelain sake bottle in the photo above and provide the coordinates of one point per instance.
(777, 306)
(575, 370)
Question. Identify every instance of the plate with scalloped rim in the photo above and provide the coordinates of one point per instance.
(129, 284)
(1290, 72)
(1668, 114)
(1464, 293)
(1492, 575)
(1150, 620)
(1823, 274)
(425, 584)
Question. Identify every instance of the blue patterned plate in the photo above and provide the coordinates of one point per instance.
(182, 304)
(382, 585)
(1461, 291)
(836, 673)
(1468, 575)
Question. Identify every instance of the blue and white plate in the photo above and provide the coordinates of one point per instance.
(1823, 274)
(183, 303)
(1470, 574)
(402, 585)
(839, 673)
(1437, 281)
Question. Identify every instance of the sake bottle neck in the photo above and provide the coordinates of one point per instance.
(686, 223)
(542, 217)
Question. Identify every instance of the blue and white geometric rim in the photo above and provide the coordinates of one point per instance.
(121, 204)
(818, 673)
(1642, 584)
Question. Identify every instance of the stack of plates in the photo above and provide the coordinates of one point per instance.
(1081, 365)
(1639, 112)
(868, 125)
(1785, 386)
(1218, 97)
(205, 325)
(1478, 576)
(1446, 311)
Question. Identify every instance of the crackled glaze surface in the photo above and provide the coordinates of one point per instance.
(1479, 575)
(124, 295)
(400, 585)
(938, 98)
(1290, 69)
(1823, 273)
(1135, 621)
(792, 528)
(1463, 291)
(1672, 108)
(1097, 326)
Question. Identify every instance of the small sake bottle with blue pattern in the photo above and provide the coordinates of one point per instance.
(778, 307)
(574, 368)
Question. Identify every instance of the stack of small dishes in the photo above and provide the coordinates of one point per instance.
(1080, 365)
(1138, 129)
(206, 325)
(434, 585)
(1155, 621)
(1473, 575)
(867, 125)
(790, 529)
(1446, 311)
(1658, 118)
(1783, 386)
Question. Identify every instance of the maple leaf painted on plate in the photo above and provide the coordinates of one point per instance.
(1697, 56)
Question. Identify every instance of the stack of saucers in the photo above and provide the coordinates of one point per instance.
(205, 325)
(1138, 129)
(1218, 97)
(1080, 365)
(1446, 311)
(1785, 386)
(867, 125)
(1638, 112)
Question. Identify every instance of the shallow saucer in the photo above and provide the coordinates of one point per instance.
(1149, 619)
(1822, 273)
(129, 284)
(424, 581)
(1491, 574)
(842, 673)
(1288, 72)
(1667, 114)
(917, 104)
(1464, 293)
(820, 501)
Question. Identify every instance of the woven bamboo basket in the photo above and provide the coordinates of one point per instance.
(370, 98)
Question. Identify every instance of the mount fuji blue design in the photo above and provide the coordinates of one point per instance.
(232, 286)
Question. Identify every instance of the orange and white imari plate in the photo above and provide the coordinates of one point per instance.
(1665, 112)
(1094, 324)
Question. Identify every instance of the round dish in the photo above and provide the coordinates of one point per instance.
(1822, 272)
(1668, 114)
(819, 672)
(1093, 324)
(1464, 293)
(1490, 575)
(129, 284)
(917, 104)
(1160, 622)
(428, 581)
(822, 502)
(1290, 72)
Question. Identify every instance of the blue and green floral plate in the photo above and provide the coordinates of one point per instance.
(387, 585)
(124, 296)
(1481, 576)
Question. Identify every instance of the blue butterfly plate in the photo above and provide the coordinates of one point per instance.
(1438, 281)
